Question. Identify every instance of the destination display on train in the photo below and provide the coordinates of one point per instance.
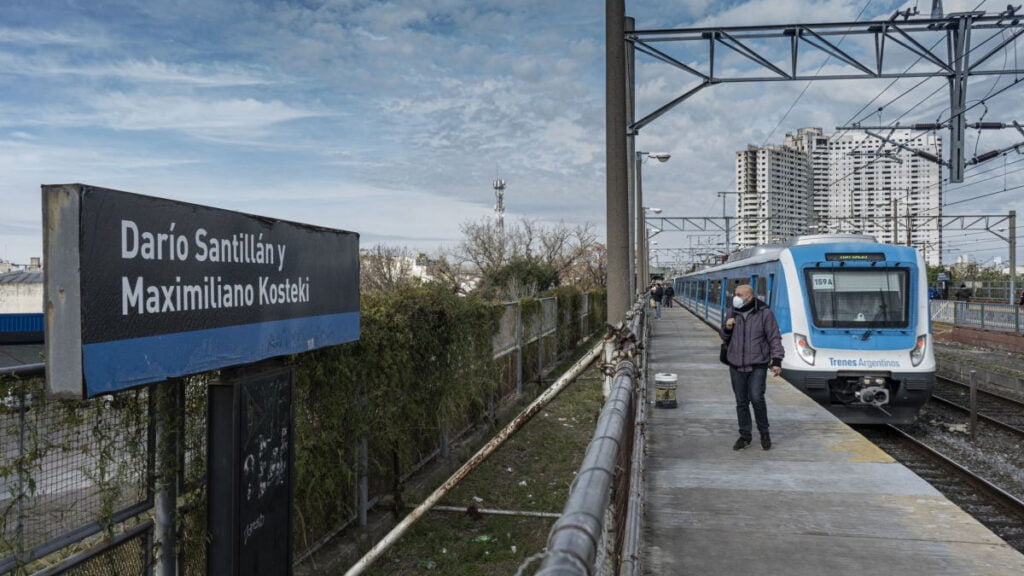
(854, 257)
(168, 288)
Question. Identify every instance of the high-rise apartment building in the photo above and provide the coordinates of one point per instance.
(774, 188)
(885, 190)
(846, 182)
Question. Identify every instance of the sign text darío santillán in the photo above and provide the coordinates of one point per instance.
(166, 289)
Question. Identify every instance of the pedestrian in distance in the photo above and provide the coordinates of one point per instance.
(669, 293)
(657, 293)
(964, 293)
(753, 347)
(1020, 299)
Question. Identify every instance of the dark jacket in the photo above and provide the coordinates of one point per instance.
(964, 294)
(755, 340)
(669, 291)
(656, 292)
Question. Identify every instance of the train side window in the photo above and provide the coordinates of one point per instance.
(714, 291)
(733, 283)
(761, 289)
(771, 288)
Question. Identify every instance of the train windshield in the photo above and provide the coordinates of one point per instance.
(859, 297)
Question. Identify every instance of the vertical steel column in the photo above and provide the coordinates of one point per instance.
(895, 223)
(957, 41)
(643, 276)
(615, 141)
(633, 207)
(165, 501)
(1013, 256)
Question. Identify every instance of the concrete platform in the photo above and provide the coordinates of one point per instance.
(823, 500)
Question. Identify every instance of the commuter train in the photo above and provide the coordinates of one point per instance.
(853, 315)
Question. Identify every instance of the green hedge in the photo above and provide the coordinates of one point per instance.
(423, 363)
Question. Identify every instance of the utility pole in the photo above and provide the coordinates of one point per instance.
(1013, 255)
(616, 185)
(725, 218)
(635, 285)
(895, 222)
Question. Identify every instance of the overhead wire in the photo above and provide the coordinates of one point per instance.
(808, 85)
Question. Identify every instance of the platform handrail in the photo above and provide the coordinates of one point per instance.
(577, 542)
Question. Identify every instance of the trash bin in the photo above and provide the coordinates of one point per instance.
(665, 390)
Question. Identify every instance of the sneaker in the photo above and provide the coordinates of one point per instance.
(766, 442)
(741, 443)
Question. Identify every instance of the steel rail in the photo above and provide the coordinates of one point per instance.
(1002, 397)
(984, 417)
(1007, 501)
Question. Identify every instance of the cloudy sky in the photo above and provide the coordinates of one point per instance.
(392, 119)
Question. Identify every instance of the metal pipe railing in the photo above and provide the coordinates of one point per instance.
(577, 538)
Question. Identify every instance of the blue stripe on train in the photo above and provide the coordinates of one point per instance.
(121, 364)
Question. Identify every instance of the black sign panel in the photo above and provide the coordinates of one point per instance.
(155, 266)
(250, 475)
(854, 257)
(264, 507)
(168, 289)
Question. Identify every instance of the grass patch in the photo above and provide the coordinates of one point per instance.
(532, 471)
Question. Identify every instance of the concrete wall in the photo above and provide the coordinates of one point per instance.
(21, 298)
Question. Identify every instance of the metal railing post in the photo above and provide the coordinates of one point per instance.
(519, 348)
(363, 488)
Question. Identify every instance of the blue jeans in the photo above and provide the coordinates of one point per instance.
(749, 388)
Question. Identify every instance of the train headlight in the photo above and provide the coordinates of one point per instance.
(803, 348)
(917, 353)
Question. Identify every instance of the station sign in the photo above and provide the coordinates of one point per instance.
(142, 289)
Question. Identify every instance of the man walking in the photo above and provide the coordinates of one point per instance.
(669, 293)
(754, 345)
(656, 295)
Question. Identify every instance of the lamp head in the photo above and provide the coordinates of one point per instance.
(660, 156)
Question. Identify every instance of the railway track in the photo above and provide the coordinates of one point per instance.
(998, 510)
(1000, 410)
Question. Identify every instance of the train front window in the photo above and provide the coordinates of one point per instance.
(859, 297)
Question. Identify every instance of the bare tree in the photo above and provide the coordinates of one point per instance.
(385, 268)
(487, 248)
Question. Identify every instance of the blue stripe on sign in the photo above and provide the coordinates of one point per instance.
(120, 364)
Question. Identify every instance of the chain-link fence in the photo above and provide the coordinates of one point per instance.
(71, 468)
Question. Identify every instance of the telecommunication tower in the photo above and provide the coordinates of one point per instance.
(499, 208)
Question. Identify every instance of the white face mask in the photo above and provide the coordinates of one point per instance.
(737, 302)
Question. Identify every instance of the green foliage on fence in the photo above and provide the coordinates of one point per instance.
(423, 361)
(423, 364)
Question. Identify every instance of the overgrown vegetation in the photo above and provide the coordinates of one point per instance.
(424, 364)
(532, 472)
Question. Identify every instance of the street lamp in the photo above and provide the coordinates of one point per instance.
(640, 240)
(644, 251)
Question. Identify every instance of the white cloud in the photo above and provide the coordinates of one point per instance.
(222, 119)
